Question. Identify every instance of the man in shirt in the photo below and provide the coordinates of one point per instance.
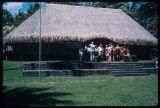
(92, 50)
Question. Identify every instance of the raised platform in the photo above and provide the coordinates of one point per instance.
(77, 68)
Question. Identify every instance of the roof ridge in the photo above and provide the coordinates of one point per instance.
(82, 6)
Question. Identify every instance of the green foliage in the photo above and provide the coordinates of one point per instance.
(33, 8)
(148, 16)
(93, 90)
(7, 17)
(7, 29)
(19, 18)
(145, 13)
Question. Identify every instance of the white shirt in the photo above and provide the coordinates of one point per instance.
(100, 50)
(9, 48)
(80, 52)
(109, 48)
(92, 46)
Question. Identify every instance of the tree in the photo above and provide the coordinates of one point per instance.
(145, 13)
(8, 20)
(19, 18)
(7, 17)
(33, 8)
(148, 16)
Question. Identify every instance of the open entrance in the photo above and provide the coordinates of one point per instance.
(140, 51)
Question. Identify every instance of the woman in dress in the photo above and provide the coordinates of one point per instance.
(110, 52)
(107, 52)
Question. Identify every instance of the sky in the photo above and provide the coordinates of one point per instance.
(14, 7)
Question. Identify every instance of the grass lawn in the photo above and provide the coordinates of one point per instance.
(96, 90)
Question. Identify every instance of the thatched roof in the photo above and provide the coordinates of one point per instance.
(67, 22)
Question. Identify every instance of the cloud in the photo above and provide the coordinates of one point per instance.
(13, 7)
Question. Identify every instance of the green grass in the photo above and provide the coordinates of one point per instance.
(96, 90)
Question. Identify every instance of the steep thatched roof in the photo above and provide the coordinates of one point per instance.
(66, 22)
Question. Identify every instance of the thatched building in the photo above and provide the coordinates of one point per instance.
(62, 24)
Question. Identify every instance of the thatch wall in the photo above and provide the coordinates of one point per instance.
(66, 22)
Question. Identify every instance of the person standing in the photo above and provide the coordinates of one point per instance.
(9, 51)
(106, 52)
(110, 52)
(86, 53)
(124, 54)
(113, 53)
(4, 55)
(92, 50)
(81, 51)
(100, 50)
(121, 53)
(117, 53)
(156, 62)
(96, 52)
(128, 52)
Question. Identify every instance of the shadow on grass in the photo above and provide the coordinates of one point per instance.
(12, 69)
(23, 96)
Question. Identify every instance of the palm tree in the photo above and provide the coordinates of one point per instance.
(8, 20)
(145, 13)
(148, 16)
(7, 17)
(33, 8)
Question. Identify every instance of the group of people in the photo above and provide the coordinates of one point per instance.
(109, 53)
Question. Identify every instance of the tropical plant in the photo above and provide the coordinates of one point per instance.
(33, 8)
(19, 18)
(148, 16)
(7, 17)
(145, 13)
